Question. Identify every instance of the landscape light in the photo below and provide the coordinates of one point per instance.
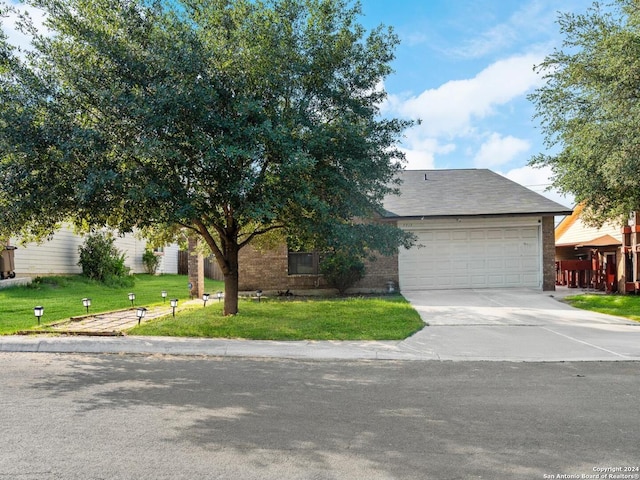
(87, 303)
(219, 294)
(259, 294)
(174, 304)
(38, 312)
(132, 297)
(140, 313)
(205, 297)
(164, 295)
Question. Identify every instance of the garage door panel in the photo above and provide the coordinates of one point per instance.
(512, 233)
(460, 235)
(473, 258)
(495, 235)
(443, 236)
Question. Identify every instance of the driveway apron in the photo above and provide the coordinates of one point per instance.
(517, 325)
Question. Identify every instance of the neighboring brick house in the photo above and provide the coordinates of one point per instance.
(604, 258)
(475, 229)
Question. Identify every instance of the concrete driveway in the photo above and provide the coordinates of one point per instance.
(517, 325)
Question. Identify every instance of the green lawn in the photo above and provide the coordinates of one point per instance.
(62, 297)
(620, 305)
(361, 318)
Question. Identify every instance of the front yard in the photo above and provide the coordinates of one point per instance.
(358, 318)
(61, 297)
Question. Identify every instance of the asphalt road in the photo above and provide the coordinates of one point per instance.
(74, 416)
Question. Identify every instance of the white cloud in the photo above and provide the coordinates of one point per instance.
(420, 152)
(498, 150)
(528, 22)
(10, 25)
(538, 180)
(491, 40)
(450, 109)
(419, 159)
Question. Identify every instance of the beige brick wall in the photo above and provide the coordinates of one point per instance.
(263, 269)
(380, 272)
(268, 270)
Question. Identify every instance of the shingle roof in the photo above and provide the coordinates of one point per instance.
(464, 192)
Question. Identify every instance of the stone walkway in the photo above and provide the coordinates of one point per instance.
(111, 323)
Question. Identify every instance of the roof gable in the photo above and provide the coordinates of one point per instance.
(602, 241)
(569, 221)
(465, 192)
(573, 231)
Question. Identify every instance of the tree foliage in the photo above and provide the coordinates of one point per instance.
(589, 108)
(342, 270)
(229, 118)
(101, 260)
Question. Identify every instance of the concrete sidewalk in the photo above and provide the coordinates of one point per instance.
(487, 325)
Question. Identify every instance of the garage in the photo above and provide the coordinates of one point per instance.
(473, 228)
(472, 254)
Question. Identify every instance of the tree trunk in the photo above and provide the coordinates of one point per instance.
(231, 293)
(231, 279)
(226, 253)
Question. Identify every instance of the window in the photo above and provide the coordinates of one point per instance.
(304, 263)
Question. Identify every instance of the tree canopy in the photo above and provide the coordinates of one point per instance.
(229, 118)
(589, 108)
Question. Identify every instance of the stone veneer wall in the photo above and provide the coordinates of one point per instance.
(548, 254)
(196, 269)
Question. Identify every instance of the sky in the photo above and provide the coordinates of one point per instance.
(465, 68)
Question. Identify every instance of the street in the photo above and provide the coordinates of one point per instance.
(76, 416)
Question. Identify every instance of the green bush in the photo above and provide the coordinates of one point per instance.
(101, 260)
(342, 270)
(151, 261)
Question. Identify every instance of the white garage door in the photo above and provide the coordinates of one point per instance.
(485, 257)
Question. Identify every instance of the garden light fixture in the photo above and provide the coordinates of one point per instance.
(219, 295)
(86, 302)
(164, 295)
(174, 304)
(259, 294)
(140, 313)
(132, 297)
(205, 297)
(38, 312)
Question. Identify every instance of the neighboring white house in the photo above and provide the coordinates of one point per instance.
(59, 256)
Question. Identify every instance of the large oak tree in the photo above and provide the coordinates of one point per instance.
(589, 107)
(228, 118)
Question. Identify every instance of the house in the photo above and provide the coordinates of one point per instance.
(602, 258)
(474, 229)
(59, 255)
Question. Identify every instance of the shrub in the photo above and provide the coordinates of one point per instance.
(342, 270)
(151, 261)
(101, 260)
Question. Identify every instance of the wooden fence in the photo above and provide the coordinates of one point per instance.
(211, 269)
